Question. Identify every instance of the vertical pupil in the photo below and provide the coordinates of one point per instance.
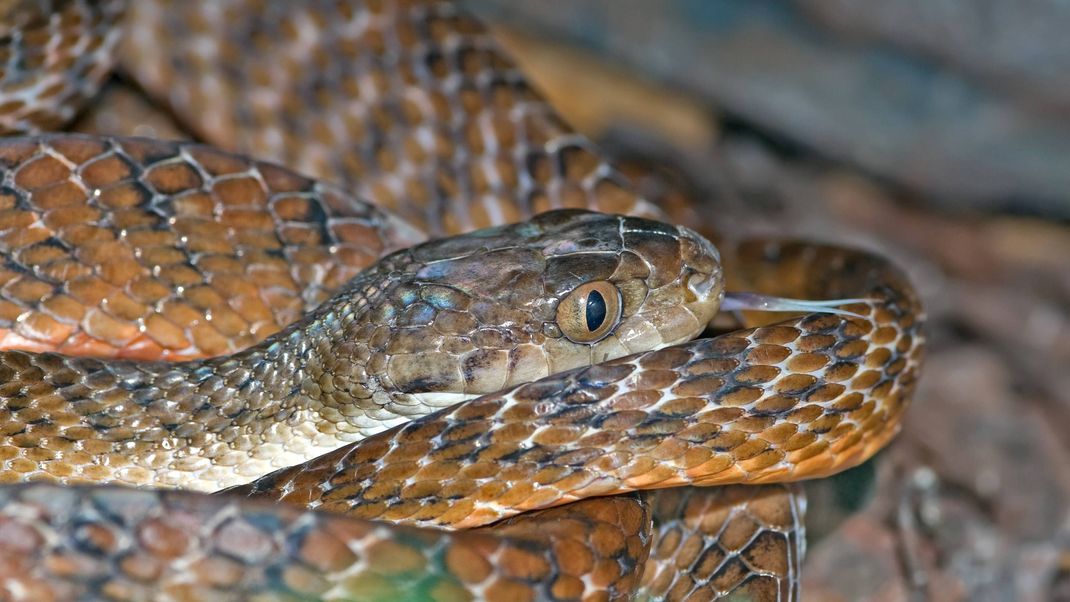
(596, 310)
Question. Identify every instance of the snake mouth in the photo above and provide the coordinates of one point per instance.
(705, 282)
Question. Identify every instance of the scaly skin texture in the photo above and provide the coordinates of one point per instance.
(408, 103)
(752, 564)
(799, 399)
(448, 319)
(54, 56)
(148, 249)
(411, 105)
(741, 541)
(108, 543)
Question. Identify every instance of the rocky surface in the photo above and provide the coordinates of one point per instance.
(961, 101)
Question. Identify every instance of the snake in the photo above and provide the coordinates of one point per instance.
(461, 359)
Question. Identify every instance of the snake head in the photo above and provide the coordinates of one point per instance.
(458, 317)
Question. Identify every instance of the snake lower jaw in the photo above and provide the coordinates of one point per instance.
(441, 399)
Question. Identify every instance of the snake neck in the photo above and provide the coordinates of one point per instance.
(319, 372)
(203, 424)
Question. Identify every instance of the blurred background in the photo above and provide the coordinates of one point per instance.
(935, 132)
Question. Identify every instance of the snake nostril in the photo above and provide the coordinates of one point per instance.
(704, 246)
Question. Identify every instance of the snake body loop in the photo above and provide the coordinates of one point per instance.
(794, 400)
(550, 368)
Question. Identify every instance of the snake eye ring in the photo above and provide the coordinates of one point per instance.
(590, 312)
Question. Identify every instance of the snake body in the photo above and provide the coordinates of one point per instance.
(421, 323)
(328, 328)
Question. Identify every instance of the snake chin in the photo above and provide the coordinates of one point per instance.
(441, 399)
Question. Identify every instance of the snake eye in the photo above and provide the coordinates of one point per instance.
(589, 312)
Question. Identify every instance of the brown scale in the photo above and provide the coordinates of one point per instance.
(409, 104)
(64, 544)
(581, 179)
(814, 430)
(724, 415)
(454, 317)
(144, 249)
(714, 542)
(754, 424)
(54, 56)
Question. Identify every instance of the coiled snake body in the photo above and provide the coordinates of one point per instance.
(549, 368)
